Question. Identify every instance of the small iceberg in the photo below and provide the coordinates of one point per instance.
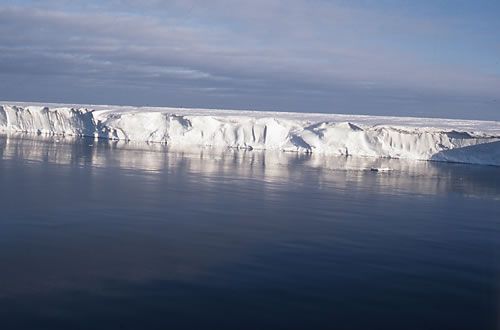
(381, 169)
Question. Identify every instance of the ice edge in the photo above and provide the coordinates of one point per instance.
(331, 135)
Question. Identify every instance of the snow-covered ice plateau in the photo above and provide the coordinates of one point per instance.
(465, 141)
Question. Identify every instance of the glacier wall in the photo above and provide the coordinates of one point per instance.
(267, 131)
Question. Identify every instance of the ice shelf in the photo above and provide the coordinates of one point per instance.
(466, 141)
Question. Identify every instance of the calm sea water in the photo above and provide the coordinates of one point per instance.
(102, 235)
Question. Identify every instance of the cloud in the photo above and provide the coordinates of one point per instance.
(241, 48)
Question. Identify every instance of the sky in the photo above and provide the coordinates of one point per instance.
(431, 58)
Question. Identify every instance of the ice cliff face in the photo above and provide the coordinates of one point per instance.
(47, 121)
(467, 141)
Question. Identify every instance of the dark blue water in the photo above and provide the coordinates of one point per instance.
(100, 235)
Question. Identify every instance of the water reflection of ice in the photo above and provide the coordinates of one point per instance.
(418, 177)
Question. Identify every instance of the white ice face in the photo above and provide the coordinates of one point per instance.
(369, 136)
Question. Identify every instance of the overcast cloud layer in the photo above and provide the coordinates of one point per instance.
(433, 58)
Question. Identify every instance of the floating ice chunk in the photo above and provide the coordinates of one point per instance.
(380, 169)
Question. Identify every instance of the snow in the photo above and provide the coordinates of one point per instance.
(450, 140)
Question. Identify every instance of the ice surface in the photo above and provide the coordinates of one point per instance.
(464, 141)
